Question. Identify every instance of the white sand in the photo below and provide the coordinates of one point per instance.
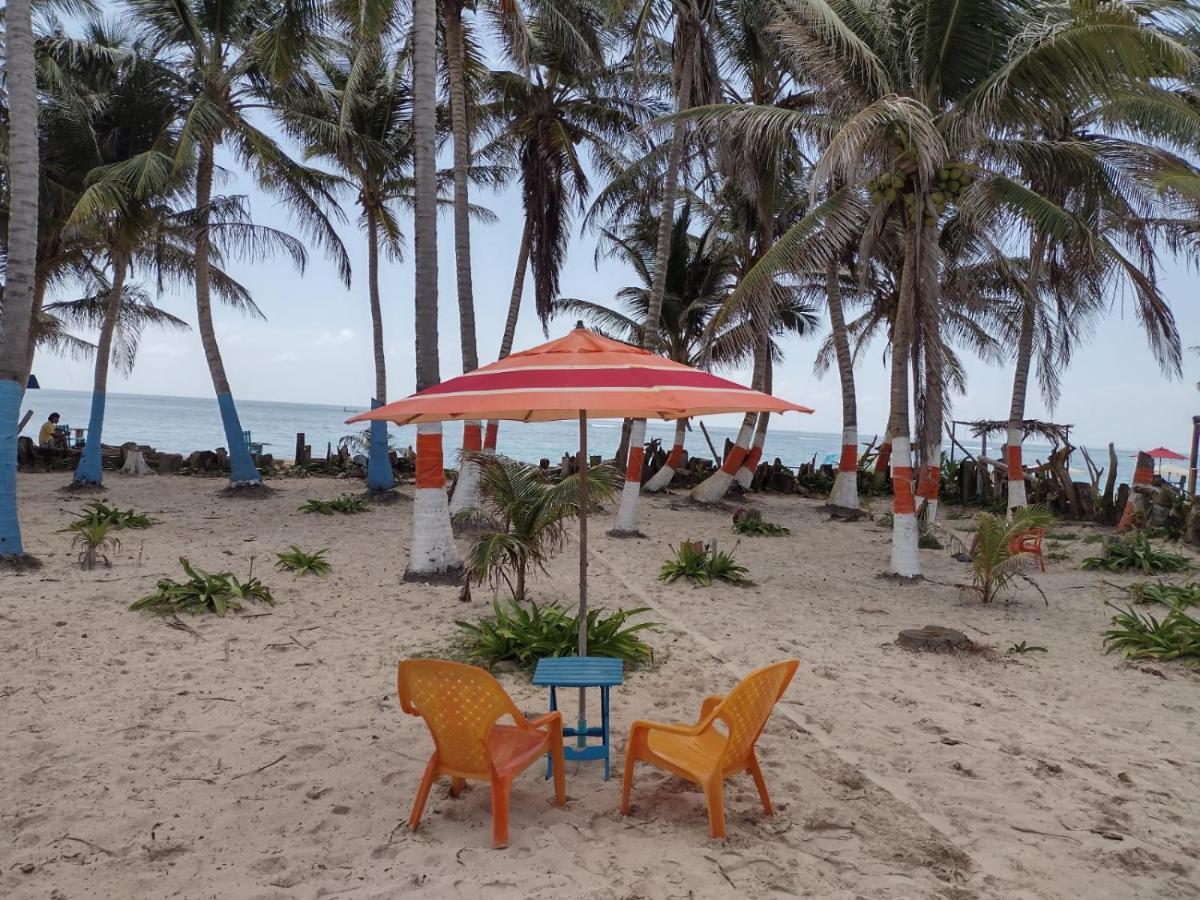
(130, 748)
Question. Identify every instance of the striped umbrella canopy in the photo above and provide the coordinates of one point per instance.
(580, 373)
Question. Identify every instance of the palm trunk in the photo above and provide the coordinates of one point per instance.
(22, 257)
(745, 475)
(845, 486)
(242, 470)
(510, 323)
(661, 480)
(715, 486)
(1016, 411)
(39, 294)
(905, 561)
(466, 489)
(432, 546)
(90, 471)
(379, 467)
(929, 484)
(627, 514)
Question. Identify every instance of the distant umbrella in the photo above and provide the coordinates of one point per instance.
(1164, 453)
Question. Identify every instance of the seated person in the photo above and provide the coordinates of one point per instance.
(50, 436)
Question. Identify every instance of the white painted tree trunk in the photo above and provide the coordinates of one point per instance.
(745, 474)
(845, 485)
(433, 551)
(1016, 469)
(135, 464)
(661, 480)
(627, 512)
(905, 561)
(714, 487)
(466, 490)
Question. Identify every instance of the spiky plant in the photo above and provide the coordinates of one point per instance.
(301, 562)
(523, 519)
(95, 543)
(204, 592)
(993, 564)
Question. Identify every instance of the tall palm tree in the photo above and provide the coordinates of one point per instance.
(19, 71)
(235, 56)
(563, 99)
(433, 552)
(694, 76)
(358, 118)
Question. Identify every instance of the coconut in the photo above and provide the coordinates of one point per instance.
(930, 221)
(889, 195)
(956, 172)
(876, 197)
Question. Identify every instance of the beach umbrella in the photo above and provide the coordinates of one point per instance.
(1161, 453)
(573, 377)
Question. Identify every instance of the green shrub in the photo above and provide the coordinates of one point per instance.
(296, 560)
(1142, 636)
(927, 540)
(97, 512)
(702, 564)
(1137, 553)
(204, 592)
(345, 504)
(526, 634)
(759, 528)
(1181, 595)
(95, 544)
(887, 520)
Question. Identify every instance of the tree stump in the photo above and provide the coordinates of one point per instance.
(135, 464)
(935, 638)
(169, 463)
(742, 514)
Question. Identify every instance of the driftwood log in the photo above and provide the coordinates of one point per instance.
(936, 638)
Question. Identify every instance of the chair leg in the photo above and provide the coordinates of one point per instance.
(423, 793)
(457, 785)
(761, 784)
(559, 762)
(627, 781)
(500, 790)
(714, 796)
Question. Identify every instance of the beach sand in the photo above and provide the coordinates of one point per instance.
(267, 757)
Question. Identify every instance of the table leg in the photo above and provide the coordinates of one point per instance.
(553, 707)
(604, 725)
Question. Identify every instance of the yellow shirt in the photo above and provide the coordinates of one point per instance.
(46, 435)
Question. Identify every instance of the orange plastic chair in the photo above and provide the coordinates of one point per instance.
(462, 705)
(705, 754)
(1029, 542)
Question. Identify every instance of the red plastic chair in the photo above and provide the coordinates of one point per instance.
(461, 705)
(1029, 542)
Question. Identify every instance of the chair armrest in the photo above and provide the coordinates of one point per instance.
(643, 725)
(549, 719)
(710, 703)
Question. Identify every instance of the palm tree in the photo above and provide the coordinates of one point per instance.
(433, 552)
(700, 273)
(234, 57)
(905, 119)
(358, 118)
(538, 119)
(694, 74)
(523, 519)
(21, 261)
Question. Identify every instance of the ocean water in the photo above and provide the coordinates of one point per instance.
(184, 424)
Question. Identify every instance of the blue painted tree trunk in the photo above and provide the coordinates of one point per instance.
(90, 471)
(241, 465)
(11, 393)
(379, 467)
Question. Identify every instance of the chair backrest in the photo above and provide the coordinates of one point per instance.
(747, 707)
(459, 703)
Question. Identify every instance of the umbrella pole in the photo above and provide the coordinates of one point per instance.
(582, 467)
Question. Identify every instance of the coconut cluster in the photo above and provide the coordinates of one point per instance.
(890, 184)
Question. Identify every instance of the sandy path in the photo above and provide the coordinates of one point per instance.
(266, 757)
(1064, 774)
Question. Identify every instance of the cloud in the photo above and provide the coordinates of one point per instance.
(333, 338)
(285, 357)
(158, 349)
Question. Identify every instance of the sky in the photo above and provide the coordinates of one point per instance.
(315, 345)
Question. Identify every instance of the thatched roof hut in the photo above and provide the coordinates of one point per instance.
(1050, 432)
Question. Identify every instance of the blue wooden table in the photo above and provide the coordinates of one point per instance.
(582, 672)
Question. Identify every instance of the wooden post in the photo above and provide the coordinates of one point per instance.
(299, 457)
(716, 458)
(1191, 484)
